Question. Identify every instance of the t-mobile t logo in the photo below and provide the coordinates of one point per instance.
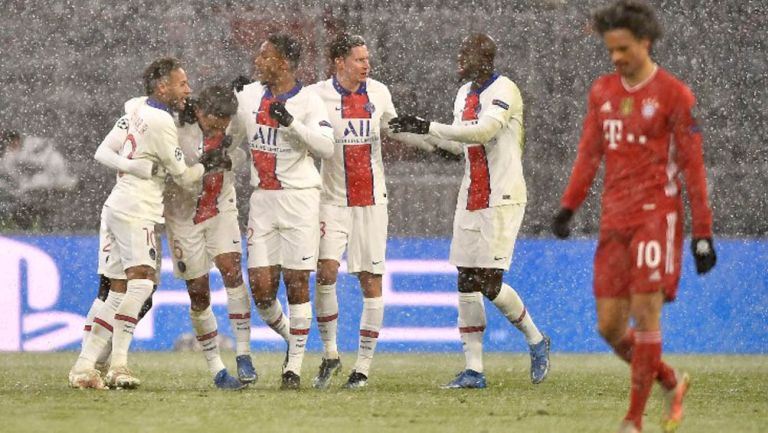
(612, 129)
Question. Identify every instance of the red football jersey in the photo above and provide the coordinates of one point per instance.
(648, 137)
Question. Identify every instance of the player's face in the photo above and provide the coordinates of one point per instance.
(355, 67)
(176, 89)
(210, 124)
(469, 62)
(269, 64)
(628, 54)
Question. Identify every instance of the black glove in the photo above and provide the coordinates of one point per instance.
(240, 82)
(704, 253)
(560, 223)
(278, 112)
(187, 115)
(412, 124)
(216, 158)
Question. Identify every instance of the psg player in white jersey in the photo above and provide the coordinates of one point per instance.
(488, 129)
(202, 228)
(353, 204)
(285, 125)
(130, 213)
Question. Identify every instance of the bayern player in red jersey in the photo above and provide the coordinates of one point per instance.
(639, 121)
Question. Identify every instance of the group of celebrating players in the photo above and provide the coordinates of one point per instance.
(176, 158)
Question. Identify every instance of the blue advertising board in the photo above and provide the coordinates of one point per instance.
(47, 284)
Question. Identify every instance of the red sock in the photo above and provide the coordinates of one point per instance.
(623, 349)
(645, 365)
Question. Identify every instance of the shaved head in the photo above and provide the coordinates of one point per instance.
(476, 56)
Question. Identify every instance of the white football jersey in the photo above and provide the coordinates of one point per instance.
(214, 195)
(493, 174)
(354, 176)
(280, 156)
(151, 135)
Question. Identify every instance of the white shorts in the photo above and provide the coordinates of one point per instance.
(361, 230)
(284, 228)
(194, 246)
(485, 238)
(126, 242)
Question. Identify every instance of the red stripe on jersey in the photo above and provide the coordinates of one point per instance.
(125, 318)
(266, 166)
(207, 202)
(297, 331)
(103, 324)
(207, 336)
(87, 328)
(359, 174)
(471, 329)
(471, 107)
(263, 117)
(369, 334)
(355, 106)
(357, 158)
(240, 316)
(323, 319)
(479, 194)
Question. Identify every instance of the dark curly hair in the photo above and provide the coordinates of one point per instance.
(158, 70)
(219, 101)
(287, 46)
(636, 16)
(343, 44)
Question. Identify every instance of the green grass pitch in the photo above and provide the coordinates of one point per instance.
(583, 393)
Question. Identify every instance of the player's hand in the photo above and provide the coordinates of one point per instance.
(238, 83)
(704, 254)
(278, 112)
(561, 223)
(216, 159)
(187, 115)
(412, 124)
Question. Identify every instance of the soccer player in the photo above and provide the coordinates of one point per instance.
(639, 120)
(202, 228)
(488, 129)
(129, 215)
(284, 124)
(353, 203)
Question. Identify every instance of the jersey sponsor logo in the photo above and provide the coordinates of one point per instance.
(500, 103)
(358, 128)
(612, 129)
(325, 123)
(266, 136)
(649, 107)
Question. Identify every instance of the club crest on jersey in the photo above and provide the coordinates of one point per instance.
(627, 106)
(649, 107)
(358, 128)
(369, 107)
(178, 154)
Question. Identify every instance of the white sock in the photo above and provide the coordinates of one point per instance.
(471, 328)
(301, 320)
(126, 318)
(239, 309)
(204, 323)
(95, 306)
(327, 317)
(511, 306)
(370, 324)
(100, 337)
(274, 317)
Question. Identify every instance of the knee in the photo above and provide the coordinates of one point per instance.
(611, 332)
(231, 275)
(263, 304)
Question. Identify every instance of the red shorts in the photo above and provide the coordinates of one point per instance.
(641, 259)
